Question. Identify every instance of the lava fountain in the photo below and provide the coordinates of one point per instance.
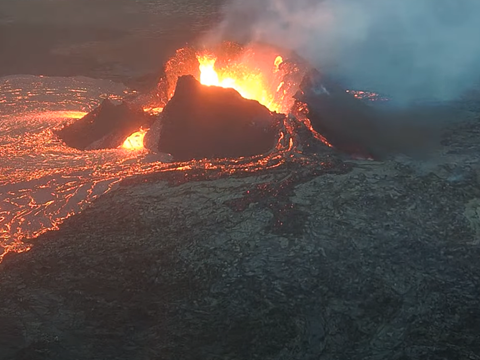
(250, 83)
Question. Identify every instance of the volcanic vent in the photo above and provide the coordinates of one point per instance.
(231, 102)
(224, 103)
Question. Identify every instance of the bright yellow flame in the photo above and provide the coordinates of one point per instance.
(208, 75)
(250, 83)
(135, 141)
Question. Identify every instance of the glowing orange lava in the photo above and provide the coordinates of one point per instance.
(278, 61)
(135, 141)
(64, 114)
(367, 95)
(250, 83)
(153, 110)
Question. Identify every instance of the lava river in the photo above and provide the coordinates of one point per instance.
(42, 181)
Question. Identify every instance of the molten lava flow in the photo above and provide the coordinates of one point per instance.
(135, 141)
(300, 110)
(64, 114)
(367, 95)
(250, 83)
(152, 110)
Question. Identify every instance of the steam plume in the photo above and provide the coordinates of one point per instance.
(409, 49)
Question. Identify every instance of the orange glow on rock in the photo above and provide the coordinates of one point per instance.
(278, 61)
(152, 110)
(71, 114)
(135, 141)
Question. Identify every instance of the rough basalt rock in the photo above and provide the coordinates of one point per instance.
(345, 121)
(213, 122)
(359, 128)
(106, 127)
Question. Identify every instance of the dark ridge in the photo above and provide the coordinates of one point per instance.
(106, 127)
(212, 122)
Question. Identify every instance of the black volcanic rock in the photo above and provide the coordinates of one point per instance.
(105, 127)
(346, 122)
(213, 122)
(355, 127)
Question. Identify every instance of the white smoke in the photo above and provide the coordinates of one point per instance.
(409, 49)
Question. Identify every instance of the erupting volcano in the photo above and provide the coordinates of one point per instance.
(225, 111)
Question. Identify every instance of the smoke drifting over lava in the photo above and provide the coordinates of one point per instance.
(408, 49)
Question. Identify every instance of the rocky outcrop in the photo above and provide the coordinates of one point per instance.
(106, 127)
(357, 127)
(213, 122)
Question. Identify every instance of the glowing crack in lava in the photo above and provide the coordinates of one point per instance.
(135, 141)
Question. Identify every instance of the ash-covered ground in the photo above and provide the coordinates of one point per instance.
(363, 260)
